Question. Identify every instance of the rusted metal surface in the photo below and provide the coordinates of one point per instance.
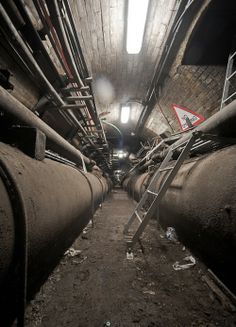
(12, 107)
(57, 201)
(201, 204)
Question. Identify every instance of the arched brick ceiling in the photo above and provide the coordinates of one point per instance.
(101, 26)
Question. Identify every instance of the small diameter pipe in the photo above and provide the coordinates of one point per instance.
(36, 67)
(27, 53)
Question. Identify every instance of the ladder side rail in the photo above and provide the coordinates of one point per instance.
(226, 83)
(146, 156)
(158, 171)
(163, 164)
(143, 200)
(150, 185)
(154, 149)
(168, 180)
(129, 223)
(153, 180)
(134, 216)
(229, 97)
(163, 190)
(232, 75)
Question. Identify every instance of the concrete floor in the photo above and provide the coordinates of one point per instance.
(100, 287)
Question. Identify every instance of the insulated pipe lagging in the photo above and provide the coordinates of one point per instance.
(57, 201)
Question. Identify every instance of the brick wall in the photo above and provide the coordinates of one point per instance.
(198, 88)
(24, 90)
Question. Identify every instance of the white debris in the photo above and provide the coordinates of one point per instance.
(171, 234)
(72, 252)
(191, 262)
(149, 292)
(88, 227)
(129, 255)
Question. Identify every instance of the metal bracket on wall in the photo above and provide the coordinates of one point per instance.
(29, 140)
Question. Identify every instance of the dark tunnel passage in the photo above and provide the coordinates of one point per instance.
(117, 163)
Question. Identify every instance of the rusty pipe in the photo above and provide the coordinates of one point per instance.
(201, 205)
(16, 110)
(57, 202)
(26, 52)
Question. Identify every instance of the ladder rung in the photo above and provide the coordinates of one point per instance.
(137, 215)
(230, 76)
(166, 168)
(231, 57)
(200, 145)
(78, 98)
(179, 146)
(128, 238)
(144, 219)
(153, 193)
(75, 89)
(229, 97)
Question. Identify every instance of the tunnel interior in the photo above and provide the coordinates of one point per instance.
(144, 123)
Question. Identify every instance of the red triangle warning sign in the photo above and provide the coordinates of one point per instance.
(186, 117)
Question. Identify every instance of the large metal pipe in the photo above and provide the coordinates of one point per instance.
(222, 124)
(44, 205)
(201, 205)
(16, 110)
(23, 49)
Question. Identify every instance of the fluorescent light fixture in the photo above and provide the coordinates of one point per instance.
(137, 14)
(125, 113)
(121, 154)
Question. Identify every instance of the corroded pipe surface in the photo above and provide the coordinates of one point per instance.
(201, 205)
(12, 107)
(54, 201)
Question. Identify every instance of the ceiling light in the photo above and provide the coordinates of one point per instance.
(121, 154)
(125, 112)
(137, 14)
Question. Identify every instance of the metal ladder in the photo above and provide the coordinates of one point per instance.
(230, 73)
(151, 199)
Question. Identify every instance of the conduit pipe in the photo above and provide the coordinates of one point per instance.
(37, 70)
(55, 14)
(57, 201)
(27, 54)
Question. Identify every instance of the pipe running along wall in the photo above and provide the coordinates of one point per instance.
(201, 205)
(16, 110)
(44, 205)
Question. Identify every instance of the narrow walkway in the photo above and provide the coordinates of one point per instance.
(100, 287)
